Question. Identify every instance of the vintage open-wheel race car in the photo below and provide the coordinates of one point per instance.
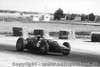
(42, 42)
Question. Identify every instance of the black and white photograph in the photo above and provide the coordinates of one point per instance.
(49, 33)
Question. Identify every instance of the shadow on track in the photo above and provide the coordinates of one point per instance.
(72, 57)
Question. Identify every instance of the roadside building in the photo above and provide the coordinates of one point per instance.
(36, 17)
(41, 17)
(77, 18)
(97, 19)
(46, 17)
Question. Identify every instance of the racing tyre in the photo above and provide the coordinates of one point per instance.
(67, 52)
(44, 47)
(20, 45)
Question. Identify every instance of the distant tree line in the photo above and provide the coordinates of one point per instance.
(90, 17)
(15, 11)
(8, 11)
(59, 14)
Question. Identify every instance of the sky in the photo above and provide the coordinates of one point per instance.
(68, 6)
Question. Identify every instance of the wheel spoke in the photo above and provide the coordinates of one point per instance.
(20, 44)
(42, 48)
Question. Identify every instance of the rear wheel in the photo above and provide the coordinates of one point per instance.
(44, 47)
(20, 45)
(67, 52)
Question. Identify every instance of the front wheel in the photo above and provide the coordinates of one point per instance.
(20, 44)
(44, 47)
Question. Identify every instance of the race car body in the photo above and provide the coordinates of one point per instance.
(42, 42)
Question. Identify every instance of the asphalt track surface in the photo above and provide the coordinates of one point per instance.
(9, 57)
(12, 58)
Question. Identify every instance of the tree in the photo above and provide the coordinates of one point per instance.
(83, 18)
(70, 17)
(58, 14)
(91, 17)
